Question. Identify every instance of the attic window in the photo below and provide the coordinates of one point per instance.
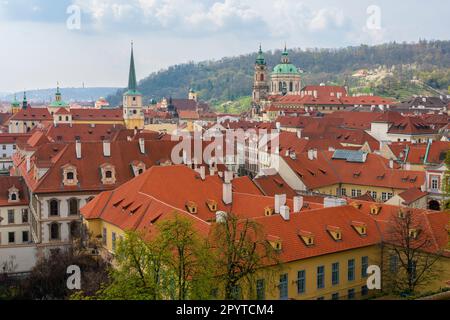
(413, 233)
(360, 227)
(268, 211)
(306, 237)
(191, 206)
(212, 205)
(275, 242)
(108, 173)
(356, 205)
(335, 233)
(375, 210)
(401, 214)
(357, 174)
(70, 175)
(13, 195)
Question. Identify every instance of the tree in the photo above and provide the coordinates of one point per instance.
(411, 263)
(168, 262)
(242, 252)
(47, 280)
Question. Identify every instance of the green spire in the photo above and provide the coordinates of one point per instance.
(24, 102)
(260, 58)
(132, 85)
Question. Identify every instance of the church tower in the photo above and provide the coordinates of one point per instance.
(25, 101)
(260, 81)
(15, 105)
(133, 113)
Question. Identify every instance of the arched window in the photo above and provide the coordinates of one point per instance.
(280, 86)
(75, 230)
(54, 207)
(73, 207)
(54, 231)
(261, 77)
(291, 86)
(13, 197)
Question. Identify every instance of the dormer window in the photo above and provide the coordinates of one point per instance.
(335, 233)
(191, 206)
(212, 205)
(70, 175)
(108, 173)
(138, 168)
(13, 194)
(375, 210)
(413, 233)
(307, 237)
(275, 242)
(268, 211)
(360, 227)
(356, 205)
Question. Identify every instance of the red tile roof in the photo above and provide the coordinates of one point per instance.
(32, 114)
(7, 183)
(411, 195)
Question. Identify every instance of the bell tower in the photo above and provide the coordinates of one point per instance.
(260, 81)
(133, 113)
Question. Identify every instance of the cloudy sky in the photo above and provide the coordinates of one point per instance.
(76, 41)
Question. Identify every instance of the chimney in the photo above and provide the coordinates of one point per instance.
(28, 163)
(227, 195)
(78, 149)
(280, 200)
(298, 203)
(299, 133)
(203, 172)
(228, 176)
(311, 154)
(391, 164)
(285, 212)
(106, 148)
(334, 202)
(142, 145)
(315, 154)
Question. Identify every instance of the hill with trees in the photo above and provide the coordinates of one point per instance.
(230, 79)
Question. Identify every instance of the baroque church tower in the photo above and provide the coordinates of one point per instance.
(133, 113)
(260, 81)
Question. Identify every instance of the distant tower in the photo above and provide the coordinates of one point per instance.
(193, 95)
(15, 105)
(260, 81)
(133, 114)
(24, 102)
(285, 78)
(171, 109)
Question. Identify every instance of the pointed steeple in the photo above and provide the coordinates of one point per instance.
(58, 93)
(260, 57)
(24, 102)
(132, 84)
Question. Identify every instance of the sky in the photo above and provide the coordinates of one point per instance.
(88, 41)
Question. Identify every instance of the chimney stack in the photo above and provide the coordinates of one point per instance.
(298, 203)
(142, 145)
(106, 148)
(203, 172)
(227, 195)
(78, 149)
(228, 176)
(391, 164)
(280, 200)
(311, 154)
(285, 213)
(299, 133)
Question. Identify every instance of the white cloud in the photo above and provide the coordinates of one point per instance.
(327, 18)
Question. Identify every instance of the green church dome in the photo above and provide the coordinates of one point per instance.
(285, 68)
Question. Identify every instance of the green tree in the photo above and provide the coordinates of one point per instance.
(242, 253)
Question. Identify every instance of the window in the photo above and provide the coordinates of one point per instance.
(384, 196)
(351, 269)
(104, 237)
(25, 237)
(412, 268)
(434, 184)
(364, 266)
(108, 174)
(374, 195)
(320, 277)
(393, 263)
(351, 294)
(301, 282)
(358, 193)
(335, 273)
(364, 291)
(11, 215)
(236, 292)
(73, 207)
(14, 197)
(344, 192)
(54, 207)
(11, 237)
(353, 193)
(113, 243)
(283, 286)
(390, 196)
(54, 231)
(4, 147)
(260, 289)
(335, 296)
(24, 215)
(70, 176)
